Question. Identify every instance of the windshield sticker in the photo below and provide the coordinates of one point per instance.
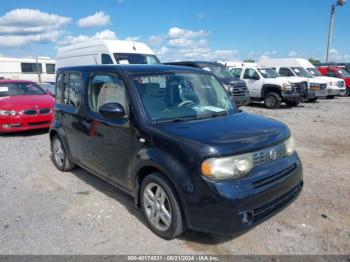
(214, 108)
(124, 62)
(4, 89)
(206, 69)
(296, 70)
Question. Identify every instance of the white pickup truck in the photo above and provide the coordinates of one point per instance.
(264, 84)
(302, 67)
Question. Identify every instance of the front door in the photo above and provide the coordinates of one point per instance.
(108, 143)
(254, 82)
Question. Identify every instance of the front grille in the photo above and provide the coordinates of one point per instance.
(30, 112)
(39, 123)
(271, 179)
(44, 111)
(238, 89)
(341, 84)
(265, 210)
(323, 86)
(263, 156)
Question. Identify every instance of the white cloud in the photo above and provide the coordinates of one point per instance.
(292, 54)
(183, 44)
(96, 20)
(20, 27)
(105, 34)
(133, 38)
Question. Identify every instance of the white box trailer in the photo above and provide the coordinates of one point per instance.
(95, 52)
(298, 66)
(40, 69)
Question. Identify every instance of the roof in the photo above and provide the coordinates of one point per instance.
(133, 68)
(6, 81)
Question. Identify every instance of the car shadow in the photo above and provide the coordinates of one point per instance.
(35, 132)
(128, 202)
(282, 107)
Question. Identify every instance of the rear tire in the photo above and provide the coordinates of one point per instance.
(161, 207)
(272, 100)
(59, 155)
(292, 103)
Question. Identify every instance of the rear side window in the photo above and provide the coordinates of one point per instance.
(250, 74)
(50, 68)
(105, 88)
(31, 68)
(284, 71)
(69, 89)
(106, 59)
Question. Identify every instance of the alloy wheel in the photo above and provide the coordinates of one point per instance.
(58, 152)
(157, 206)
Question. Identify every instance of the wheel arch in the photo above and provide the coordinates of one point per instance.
(271, 88)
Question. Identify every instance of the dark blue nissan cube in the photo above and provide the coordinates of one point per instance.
(172, 138)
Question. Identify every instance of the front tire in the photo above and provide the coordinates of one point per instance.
(59, 155)
(330, 97)
(312, 100)
(272, 100)
(347, 92)
(161, 207)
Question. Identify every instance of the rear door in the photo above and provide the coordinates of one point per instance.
(68, 110)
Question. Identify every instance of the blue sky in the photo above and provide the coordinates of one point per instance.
(197, 29)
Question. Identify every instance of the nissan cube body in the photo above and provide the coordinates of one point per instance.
(171, 138)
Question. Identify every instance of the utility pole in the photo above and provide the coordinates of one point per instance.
(331, 25)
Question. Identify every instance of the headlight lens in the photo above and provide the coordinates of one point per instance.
(287, 87)
(227, 167)
(290, 146)
(8, 113)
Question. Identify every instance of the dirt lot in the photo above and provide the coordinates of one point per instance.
(44, 211)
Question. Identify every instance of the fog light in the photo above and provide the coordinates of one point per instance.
(6, 126)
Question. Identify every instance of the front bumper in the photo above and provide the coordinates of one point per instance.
(334, 91)
(291, 96)
(241, 100)
(23, 123)
(233, 207)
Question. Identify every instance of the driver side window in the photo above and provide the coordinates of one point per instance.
(284, 71)
(251, 74)
(105, 88)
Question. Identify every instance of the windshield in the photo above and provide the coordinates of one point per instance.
(176, 96)
(301, 72)
(220, 71)
(18, 89)
(124, 58)
(268, 73)
(314, 71)
(343, 73)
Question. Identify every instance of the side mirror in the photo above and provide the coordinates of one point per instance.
(113, 111)
(256, 77)
(49, 92)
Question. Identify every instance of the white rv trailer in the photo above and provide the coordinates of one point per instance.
(95, 52)
(40, 69)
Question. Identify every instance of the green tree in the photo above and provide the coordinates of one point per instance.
(315, 62)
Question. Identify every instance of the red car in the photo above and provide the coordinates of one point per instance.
(24, 105)
(337, 71)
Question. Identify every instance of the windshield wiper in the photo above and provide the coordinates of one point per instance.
(176, 119)
(213, 115)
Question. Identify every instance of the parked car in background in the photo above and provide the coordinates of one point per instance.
(346, 66)
(171, 137)
(96, 52)
(49, 86)
(264, 84)
(337, 71)
(298, 66)
(40, 69)
(237, 88)
(24, 105)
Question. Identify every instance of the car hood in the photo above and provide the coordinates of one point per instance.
(26, 102)
(229, 135)
(329, 79)
(232, 80)
(295, 79)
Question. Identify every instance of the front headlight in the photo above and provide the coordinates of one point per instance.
(290, 146)
(227, 167)
(287, 87)
(8, 112)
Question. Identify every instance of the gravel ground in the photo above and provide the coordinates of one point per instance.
(44, 211)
